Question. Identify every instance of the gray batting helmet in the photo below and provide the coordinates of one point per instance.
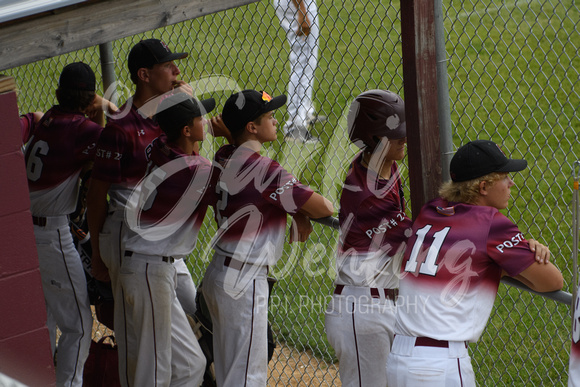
(375, 114)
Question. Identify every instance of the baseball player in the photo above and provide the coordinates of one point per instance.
(360, 318)
(299, 19)
(164, 214)
(62, 145)
(254, 196)
(574, 369)
(122, 160)
(461, 247)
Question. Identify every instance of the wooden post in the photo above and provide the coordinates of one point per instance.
(420, 85)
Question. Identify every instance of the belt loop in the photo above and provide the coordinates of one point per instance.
(338, 289)
(375, 293)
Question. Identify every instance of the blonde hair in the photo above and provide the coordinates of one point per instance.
(467, 191)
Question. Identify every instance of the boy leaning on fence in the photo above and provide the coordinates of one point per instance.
(164, 213)
(360, 318)
(122, 160)
(254, 196)
(60, 148)
(461, 247)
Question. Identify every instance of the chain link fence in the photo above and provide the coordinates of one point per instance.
(513, 77)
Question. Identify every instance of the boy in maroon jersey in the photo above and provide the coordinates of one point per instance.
(461, 247)
(61, 145)
(164, 213)
(360, 318)
(254, 197)
(121, 161)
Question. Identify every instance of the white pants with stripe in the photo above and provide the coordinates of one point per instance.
(110, 245)
(412, 365)
(161, 347)
(67, 301)
(303, 60)
(360, 329)
(240, 322)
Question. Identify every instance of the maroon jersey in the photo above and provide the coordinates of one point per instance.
(27, 126)
(452, 268)
(123, 154)
(167, 207)
(373, 228)
(61, 144)
(254, 196)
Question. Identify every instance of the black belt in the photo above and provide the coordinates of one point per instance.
(429, 342)
(238, 265)
(234, 264)
(164, 258)
(39, 221)
(390, 294)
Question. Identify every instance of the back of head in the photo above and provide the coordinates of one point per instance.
(148, 53)
(76, 86)
(375, 114)
(178, 110)
(246, 106)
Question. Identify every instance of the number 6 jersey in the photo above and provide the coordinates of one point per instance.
(452, 268)
(61, 144)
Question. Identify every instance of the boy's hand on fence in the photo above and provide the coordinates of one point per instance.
(542, 252)
(300, 228)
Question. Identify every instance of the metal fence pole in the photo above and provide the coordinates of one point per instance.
(575, 226)
(445, 136)
(108, 70)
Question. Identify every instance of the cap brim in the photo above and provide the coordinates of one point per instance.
(208, 105)
(275, 103)
(514, 166)
(174, 56)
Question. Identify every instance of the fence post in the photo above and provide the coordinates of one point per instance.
(575, 226)
(420, 81)
(108, 70)
(445, 141)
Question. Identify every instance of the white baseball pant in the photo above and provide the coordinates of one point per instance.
(303, 60)
(415, 362)
(359, 326)
(161, 347)
(240, 323)
(66, 296)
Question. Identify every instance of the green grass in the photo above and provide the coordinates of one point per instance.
(513, 77)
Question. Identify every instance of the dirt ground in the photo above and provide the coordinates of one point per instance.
(290, 367)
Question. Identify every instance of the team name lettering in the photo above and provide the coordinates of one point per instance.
(519, 237)
(279, 191)
(105, 154)
(383, 227)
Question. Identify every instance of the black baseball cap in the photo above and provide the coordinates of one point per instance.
(150, 52)
(177, 110)
(77, 76)
(479, 158)
(247, 105)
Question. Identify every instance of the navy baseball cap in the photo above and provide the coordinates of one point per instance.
(77, 76)
(247, 105)
(479, 158)
(150, 52)
(177, 110)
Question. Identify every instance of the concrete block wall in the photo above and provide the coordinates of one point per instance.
(25, 353)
